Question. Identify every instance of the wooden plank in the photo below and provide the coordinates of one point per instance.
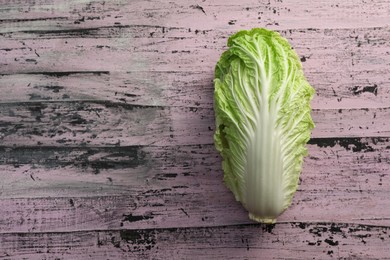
(181, 186)
(174, 66)
(101, 123)
(297, 240)
(208, 15)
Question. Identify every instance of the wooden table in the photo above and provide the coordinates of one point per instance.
(106, 124)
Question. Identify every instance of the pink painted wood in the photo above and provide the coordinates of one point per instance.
(106, 123)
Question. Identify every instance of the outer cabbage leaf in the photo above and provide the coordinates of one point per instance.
(263, 122)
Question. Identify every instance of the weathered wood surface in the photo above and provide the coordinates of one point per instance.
(174, 66)
(106, 126)
(180, 186)
(110, 124)
(293, 241)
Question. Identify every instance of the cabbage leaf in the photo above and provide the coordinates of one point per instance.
(263, 122)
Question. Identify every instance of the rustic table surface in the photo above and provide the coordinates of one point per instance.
(106, 124)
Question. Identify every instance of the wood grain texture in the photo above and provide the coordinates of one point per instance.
(181, 186)
(135, 65)
(49, 14)
(92, 123)
(106, 124)
(296, 240)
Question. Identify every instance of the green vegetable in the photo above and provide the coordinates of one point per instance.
(263, 122)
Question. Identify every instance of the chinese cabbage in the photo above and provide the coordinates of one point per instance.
(263, 122)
